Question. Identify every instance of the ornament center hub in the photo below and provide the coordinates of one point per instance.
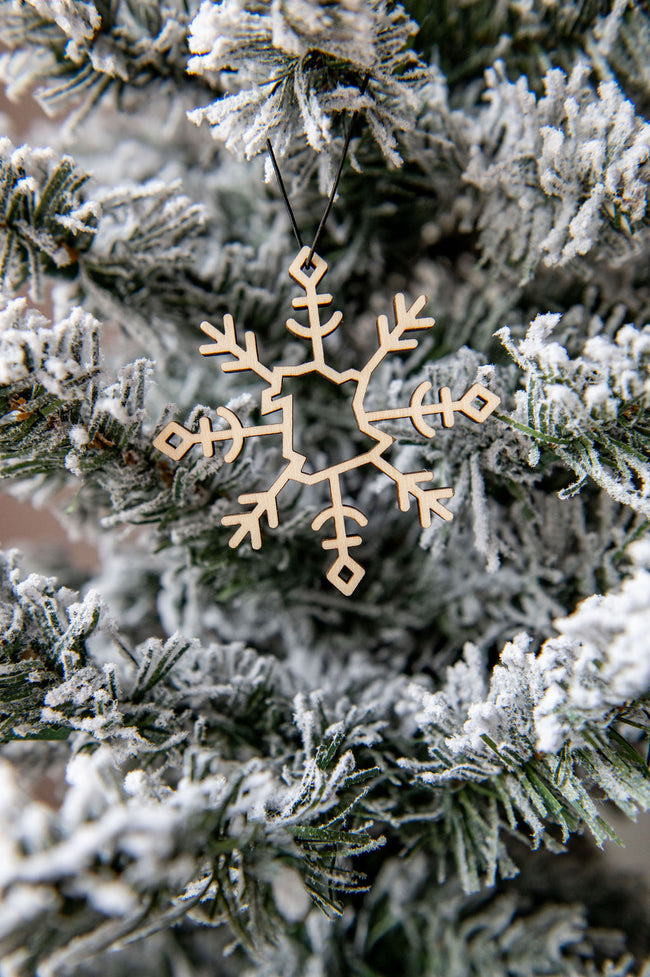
(325, 429)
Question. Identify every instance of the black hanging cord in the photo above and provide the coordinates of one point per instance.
(337, 178)
(346, 146)
(285, 195)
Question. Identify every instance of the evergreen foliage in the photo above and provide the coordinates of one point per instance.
(210, 758)
(45, 225)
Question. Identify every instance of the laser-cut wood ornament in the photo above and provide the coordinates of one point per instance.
(345, 573)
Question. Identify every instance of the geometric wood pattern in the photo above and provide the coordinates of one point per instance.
(175, 441)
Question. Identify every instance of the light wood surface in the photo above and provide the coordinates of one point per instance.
(175, 441)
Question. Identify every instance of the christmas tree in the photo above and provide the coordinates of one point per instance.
(316, 715)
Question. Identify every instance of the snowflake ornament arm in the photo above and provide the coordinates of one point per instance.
(345, 573)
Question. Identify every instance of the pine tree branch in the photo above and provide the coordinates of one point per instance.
(589, 410)
(73, 56)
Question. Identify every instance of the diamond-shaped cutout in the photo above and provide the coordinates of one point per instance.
(487, 400)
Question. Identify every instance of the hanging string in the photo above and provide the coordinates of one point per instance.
(326, 212)
(285, 195)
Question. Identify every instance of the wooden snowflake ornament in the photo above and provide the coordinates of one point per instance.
(175, 441)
